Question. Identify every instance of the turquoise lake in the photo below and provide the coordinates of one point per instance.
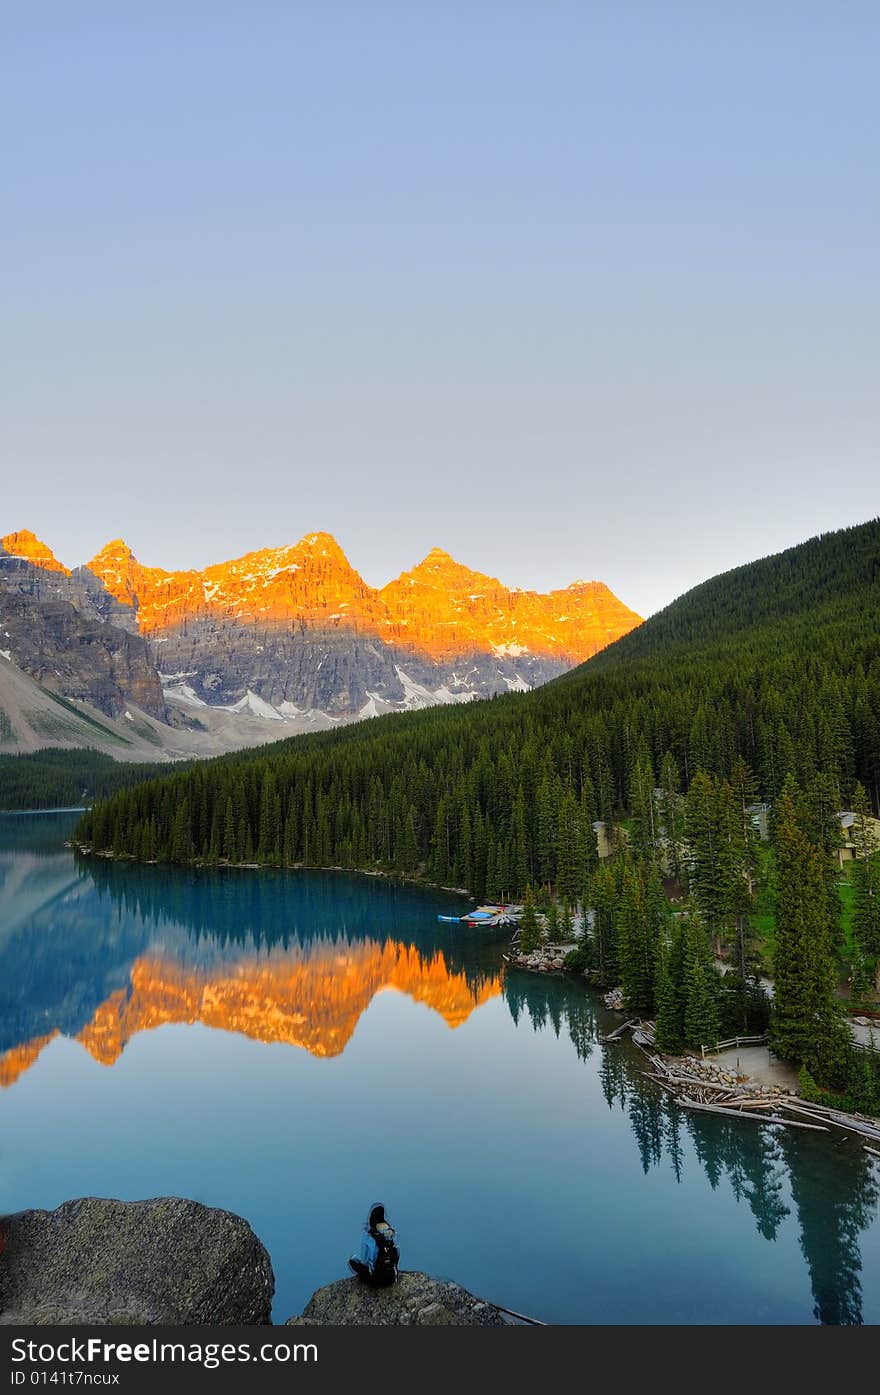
(291, 1046)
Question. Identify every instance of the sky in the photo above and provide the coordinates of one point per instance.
(568, 289)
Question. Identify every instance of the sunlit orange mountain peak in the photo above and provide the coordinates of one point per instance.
(310, 581)
(446, 608)
(440, 609)
(26, 544)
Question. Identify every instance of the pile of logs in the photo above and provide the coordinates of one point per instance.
(704, 1085)
(694, 1089)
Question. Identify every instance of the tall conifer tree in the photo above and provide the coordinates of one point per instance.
(806, 1026)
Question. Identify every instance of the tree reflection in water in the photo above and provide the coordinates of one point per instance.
(831, 1184)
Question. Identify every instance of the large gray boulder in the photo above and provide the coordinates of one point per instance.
(167, 1261)
(416, 1300)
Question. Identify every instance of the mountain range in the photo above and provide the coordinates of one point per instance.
(142, 661)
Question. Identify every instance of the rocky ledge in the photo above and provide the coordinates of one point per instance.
(547, 959)
(166, 1261)
(174, 1262)
(416, 1300)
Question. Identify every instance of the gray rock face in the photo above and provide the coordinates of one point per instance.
(58, 630)
(480, 673)
(81, 588)
(90, 596)
(416, 1300)
(332, 670)
(335, 671)
(106, 1262)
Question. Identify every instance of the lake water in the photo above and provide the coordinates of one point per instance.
(292, 1046)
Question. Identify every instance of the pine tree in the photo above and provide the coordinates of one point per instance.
(465, 860)
(181, 845)
(638, 946)
(707, 853)
(670, 995)
(566, 924)
(569, 860)
(408, 854)
(546, 811)
(671, 815)
(866, 885)
(657, 909)
(641, 803)
(820, 816)
(438, 857)
(480, 855)
(530, 934)
(739, 879)
(604, 897)
(806, 1026)
(288, 856)
(268, 834)
(522, 870)
(701, 1019)
(553, 930)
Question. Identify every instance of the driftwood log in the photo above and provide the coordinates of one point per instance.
(747, 1114)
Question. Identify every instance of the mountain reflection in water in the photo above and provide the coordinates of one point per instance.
(303, 987)
(100, 953)
(311, 996)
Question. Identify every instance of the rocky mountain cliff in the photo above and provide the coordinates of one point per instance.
(68, 633)
(297, 629)
(290, 635)
(443, 609)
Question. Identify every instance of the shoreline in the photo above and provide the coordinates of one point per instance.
(708, 1083)
(544, 963)
(200, 865)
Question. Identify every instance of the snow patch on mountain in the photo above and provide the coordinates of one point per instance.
(444, 694)
(371, 707)
(256, 706)
(185, 693)
(314, 715)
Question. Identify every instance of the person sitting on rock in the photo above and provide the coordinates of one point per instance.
(377, 1261)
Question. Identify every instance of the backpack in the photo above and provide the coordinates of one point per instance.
(387, 1257)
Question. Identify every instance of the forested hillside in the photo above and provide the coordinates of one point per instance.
(799, 582)
(776, 663)
(58, 778)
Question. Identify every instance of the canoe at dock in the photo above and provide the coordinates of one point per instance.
(485, 915)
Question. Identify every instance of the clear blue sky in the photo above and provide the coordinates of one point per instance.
(570, 289)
